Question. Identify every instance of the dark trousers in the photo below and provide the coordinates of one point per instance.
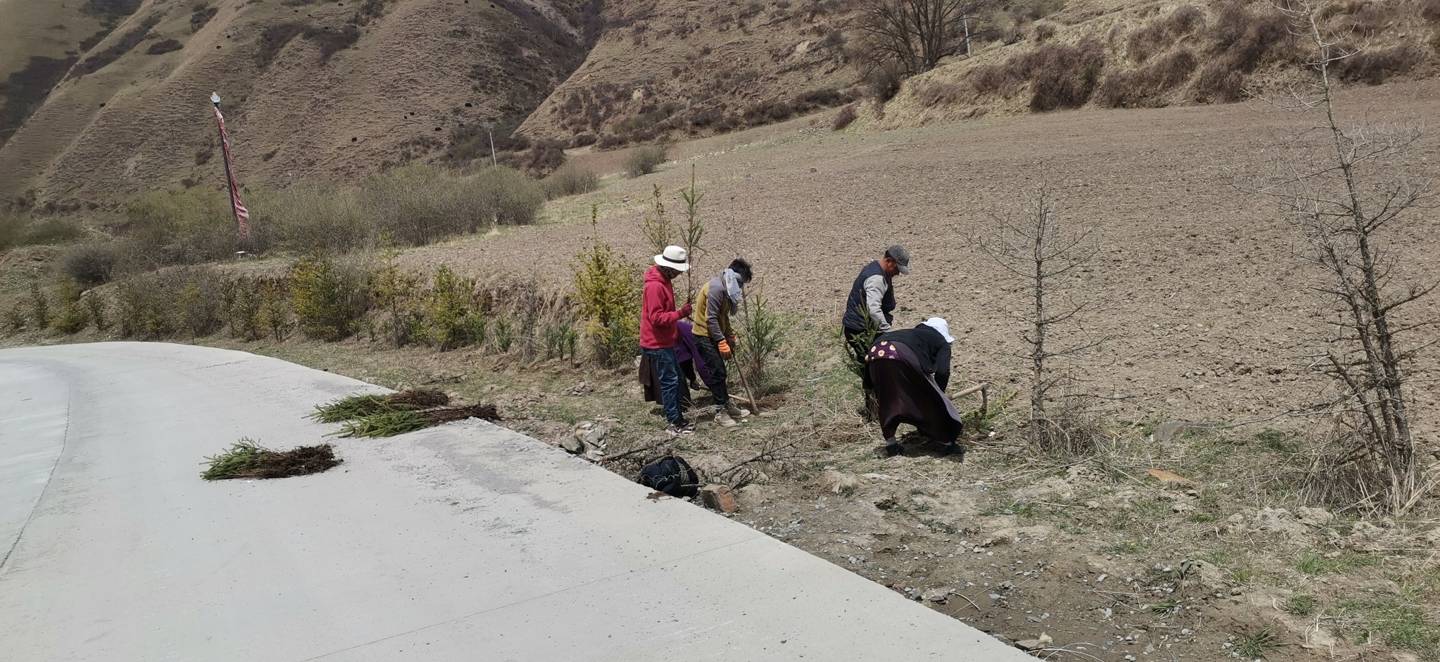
(859, 349)
(710, 354)
(667, 373)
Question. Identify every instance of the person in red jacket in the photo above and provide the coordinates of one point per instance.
(658, 329)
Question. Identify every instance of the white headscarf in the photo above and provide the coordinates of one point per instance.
(733, 286)
(939, 324)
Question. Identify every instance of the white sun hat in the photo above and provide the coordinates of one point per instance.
(939, 324)
(675, 258)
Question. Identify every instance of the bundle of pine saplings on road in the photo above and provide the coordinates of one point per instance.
(387, 415)
(247, 459)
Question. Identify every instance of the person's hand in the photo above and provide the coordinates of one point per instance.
(724, 348)
(686, 309)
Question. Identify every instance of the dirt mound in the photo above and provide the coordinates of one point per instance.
(247, 460)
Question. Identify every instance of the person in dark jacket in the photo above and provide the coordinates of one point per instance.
(870, 309)
(909, 370)
(659, 332)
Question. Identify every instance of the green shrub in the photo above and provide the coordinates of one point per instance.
(242, 300)
(504, 334)
(761, 334)
(608, 294)
(570, 180)
(512, 198)
(12, 228)
(73, 318)
(167, 303)
(328, 299)
(39, 306)
(312, 219)
(418, 204)
(395, 293)
(275, 315)
(95, 306)
(52, 231)
(181, 227)
(90, 264)
(645, 159)
(452, 317)
(15, 317)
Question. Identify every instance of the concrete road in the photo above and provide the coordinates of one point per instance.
(463, 542)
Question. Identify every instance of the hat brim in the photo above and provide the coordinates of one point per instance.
(904, 268)
(678, 266)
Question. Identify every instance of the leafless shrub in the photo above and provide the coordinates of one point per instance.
(1243, 38)
(913, 35)
(1218, 82)
(1035, 248)
(1059, 75)
(1376, 66)
(1064, 76)
(1044, 31)
(1160, 33)
(1346, 188)
(1146, 86)
(843, 118)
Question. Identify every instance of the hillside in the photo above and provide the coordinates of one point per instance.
(690, 67)
(112, 92)
(312, 87)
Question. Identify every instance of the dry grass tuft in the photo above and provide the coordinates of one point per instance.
(1146, 86)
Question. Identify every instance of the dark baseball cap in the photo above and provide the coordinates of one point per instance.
(900, 256)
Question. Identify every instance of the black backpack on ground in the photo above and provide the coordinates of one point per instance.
(670, 475)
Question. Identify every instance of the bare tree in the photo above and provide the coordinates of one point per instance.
(1345, 186)
(914, 34)
(1036, 248)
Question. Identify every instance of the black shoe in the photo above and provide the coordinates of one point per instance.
(889, 450)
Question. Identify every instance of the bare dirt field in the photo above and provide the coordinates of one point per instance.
(1198, 279)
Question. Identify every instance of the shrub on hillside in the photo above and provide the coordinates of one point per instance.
(163, 46)
(608, 294)
(52, 231)
(12, 228)
(1147, 85)
(504, 196)
(883, 82)
(1244, 37)
(1064, 76)
(1160, 33)
(570, 180)
(310, 218)
(1374, 67)
(419, 204)
(1218, 82)
(542, 158)
(844, 118)
(331, 41)
(452, 317)
(328, 298)
(645, 159)
(164, 304)
(39, 305)
(181, 227)
(73, 316)
(90, 264)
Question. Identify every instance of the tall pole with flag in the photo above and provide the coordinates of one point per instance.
(242, 215)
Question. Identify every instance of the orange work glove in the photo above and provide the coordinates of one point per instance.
(724, 349)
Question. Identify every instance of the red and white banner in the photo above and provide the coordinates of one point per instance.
(242, 215)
